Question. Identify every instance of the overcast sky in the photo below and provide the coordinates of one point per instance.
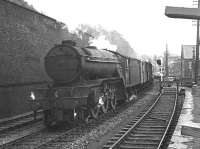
(141, 22)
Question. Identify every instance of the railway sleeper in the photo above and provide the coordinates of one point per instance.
(140, 142)
(143, 139)
(148, 135)
(125, 129)
(148, 132)
(152, 123)
(130, 125)
(150, 129)
(157, 114)
(155, 118)
(118, 135)
(133, 122)
(127, 146)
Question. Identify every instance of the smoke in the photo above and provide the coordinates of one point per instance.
(85, 35)
(102, 43)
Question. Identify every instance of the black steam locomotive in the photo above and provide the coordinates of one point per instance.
(87, 81)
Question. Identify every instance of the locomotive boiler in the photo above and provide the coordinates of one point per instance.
(67, 63)
(87, 82)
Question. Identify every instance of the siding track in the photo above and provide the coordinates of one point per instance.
(14, 129)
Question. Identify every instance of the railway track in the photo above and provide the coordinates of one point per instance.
(149, 129)
(13, 129)
(19, 121)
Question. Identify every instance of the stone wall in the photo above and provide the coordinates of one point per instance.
(25, 38)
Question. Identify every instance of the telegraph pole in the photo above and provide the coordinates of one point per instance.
(182, 56)
(193, 63)
(197, 51)
(166, 61)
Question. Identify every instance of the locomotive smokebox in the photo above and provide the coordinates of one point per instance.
(67, 63)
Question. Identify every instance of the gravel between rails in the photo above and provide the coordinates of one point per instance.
(91, 135)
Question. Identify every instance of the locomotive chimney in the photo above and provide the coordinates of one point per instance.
(69, 42)
(91, 47)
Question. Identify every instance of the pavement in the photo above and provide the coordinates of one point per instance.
(187, 131)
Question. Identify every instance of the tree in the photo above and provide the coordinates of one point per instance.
(23, 3)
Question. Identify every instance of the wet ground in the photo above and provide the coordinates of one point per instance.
(190, 116)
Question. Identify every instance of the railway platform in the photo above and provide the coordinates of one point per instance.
(187, 131)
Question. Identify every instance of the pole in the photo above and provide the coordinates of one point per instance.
(193, 64)
(182, 65)
(166, 61)
(197, 50)
(161, 78)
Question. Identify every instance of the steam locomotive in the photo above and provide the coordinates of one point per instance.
(87, 81)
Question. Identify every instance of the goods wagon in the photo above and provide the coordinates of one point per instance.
(86, 82)
(134, 72)
(143, 72)
(149, 71)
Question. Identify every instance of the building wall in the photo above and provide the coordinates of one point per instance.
(25, 38)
